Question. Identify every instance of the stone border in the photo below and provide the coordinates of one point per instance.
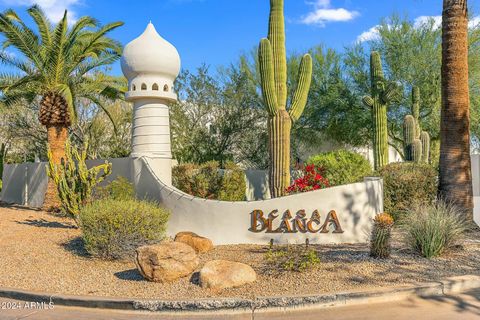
(260, 304)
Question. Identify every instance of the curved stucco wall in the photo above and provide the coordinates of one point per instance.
(229, 222)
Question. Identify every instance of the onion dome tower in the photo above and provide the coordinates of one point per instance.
(151, 65)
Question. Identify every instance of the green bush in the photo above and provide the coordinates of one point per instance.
(118, 189)
(406, 184)
(292, 258)
(113, 229)
(342, 167)
(209, 182)
(430, 229)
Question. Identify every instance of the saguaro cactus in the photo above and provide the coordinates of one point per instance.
(425, 138)
(383, 93)
(416, 110)
(417, 151)
(273, 74)
(408, 137)
(415, 141)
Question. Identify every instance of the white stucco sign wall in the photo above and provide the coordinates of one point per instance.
(341, 214)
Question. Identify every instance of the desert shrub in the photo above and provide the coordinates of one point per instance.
(311, 178)
(342, 167)
(113, 229)
(118, 189)
(406, 184)
(431, 229)
(209, 182)
(233, 184)
(292, 258)
(380, 246)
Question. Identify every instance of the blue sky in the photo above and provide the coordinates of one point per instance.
(215, 32)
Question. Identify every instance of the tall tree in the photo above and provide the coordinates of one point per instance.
(54, 68)
(455, 166)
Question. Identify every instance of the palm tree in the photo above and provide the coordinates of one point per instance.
(55, 67)
(455, 167)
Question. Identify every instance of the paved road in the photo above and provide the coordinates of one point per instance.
(465, 307)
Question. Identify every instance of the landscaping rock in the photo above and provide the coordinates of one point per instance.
(166, 262)
(221, 274)
(200, 244)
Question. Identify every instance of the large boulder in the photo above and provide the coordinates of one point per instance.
(200, 244)
(166, 262)
(221, 274)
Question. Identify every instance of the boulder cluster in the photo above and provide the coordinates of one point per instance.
(171, 260)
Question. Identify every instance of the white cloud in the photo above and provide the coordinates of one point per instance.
(323, 13)
(370, 34)
(54, 9)
(373, 34)
(419, 21)
(474, 22)
(422, 20)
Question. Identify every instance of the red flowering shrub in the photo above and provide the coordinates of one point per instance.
(313, 179)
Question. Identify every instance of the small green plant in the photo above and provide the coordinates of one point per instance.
(342, 167)
(118, 189)
(209, 182)
(431, 229)
(380, 246)
(75, 182)
(291, 258)
(407, 183)
(114, 229)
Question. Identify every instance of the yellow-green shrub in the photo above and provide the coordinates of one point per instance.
(113, 229)
(406, 184)
(342, 167)
(118, 189)
(209, 182)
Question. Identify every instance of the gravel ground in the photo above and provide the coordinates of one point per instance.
(41, 252)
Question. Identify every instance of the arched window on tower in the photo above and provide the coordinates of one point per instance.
(165, 88)
(134, 87)
(144, 86)
(155, 87)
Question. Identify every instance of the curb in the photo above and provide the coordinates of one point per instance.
(260, 304)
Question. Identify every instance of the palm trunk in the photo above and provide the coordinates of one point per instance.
(57, 137)
(455, 166)
(279, 128)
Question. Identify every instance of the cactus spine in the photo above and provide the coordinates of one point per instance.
(416, 142)
(273, 75)
(74, 181)
(382, 95)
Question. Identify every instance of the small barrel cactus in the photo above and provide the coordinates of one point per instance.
(380, 246)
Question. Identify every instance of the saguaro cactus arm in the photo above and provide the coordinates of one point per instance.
(267, 76)
(390, 93)
(301, 93)
(368, 101)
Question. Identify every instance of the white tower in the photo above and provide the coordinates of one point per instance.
(151, 65)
